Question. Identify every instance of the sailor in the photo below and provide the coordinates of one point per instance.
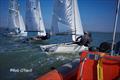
(84, 40)
(48, 35)
(45, 37)
(105, 47)
(117, 47)
(17, 31)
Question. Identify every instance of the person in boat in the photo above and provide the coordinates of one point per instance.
(85, 40)
(44, 37)
(117, 47)
(39, 37)
(17, 31)
(105, 47)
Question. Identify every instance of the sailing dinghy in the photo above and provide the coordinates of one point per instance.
(16, 26)
(34, 22)
(66, 20)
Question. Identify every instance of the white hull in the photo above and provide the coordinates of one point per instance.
(28, 40)
(12, 34)
(63, 48)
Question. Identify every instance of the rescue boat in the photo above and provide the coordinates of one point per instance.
(90, 66)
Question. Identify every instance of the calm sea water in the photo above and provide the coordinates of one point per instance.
(25, 61)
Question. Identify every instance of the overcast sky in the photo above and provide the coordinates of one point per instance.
(96, 15)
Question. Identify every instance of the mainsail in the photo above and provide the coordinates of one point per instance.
(16, 23)
(66, 18)
(34, 20)
(22, 26)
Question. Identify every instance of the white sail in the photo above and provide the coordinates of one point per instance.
(60, 17)
(16, 24)
(66, 18)
(34, 21)
(13, 16)
(22, 26)
(77, 24)
(41, 23)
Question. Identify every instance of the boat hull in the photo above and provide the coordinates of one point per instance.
(63, 48)
(77, 71)
(65, 72)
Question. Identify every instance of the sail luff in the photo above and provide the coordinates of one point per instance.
(77, 24)
(73, 21)
(22, 26)
(41, 23)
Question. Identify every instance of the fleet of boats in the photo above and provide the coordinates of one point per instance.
(15, 20)
(93, 64)
(66, 16)
(32, 29)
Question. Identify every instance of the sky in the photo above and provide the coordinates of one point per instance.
(96, 15)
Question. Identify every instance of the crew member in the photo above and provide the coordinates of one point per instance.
(84, 40)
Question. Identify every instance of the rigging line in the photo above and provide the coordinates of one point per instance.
(115, 27)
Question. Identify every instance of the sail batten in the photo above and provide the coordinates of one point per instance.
(34, 20)
(67, 14)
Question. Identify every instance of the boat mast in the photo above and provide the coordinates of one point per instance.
(38, 5)
(74, 18)
(115, 27)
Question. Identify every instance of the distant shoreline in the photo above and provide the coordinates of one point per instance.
(4, 28)
(103, 32)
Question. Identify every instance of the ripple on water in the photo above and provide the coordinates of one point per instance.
(18, 55)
